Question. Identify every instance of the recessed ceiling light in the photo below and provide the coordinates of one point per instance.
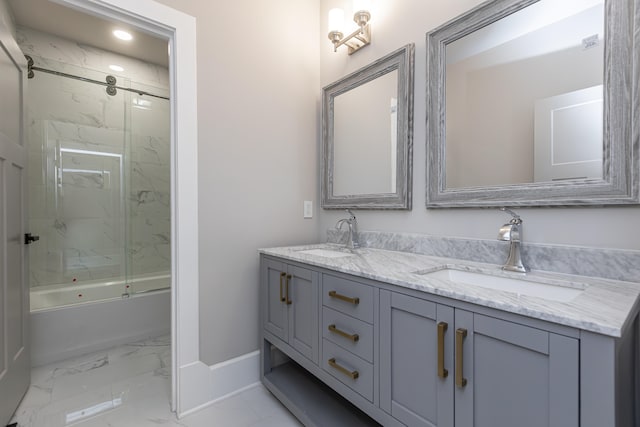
(116, 68)
(122, 35)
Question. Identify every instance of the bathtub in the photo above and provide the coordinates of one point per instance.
(58, 296)
(69, 321)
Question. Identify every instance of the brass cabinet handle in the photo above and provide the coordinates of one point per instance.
(442, 328)
(352, 337)
(351, 374)
(354, 301)
(281, 277)
(288, 279)
(460, 336)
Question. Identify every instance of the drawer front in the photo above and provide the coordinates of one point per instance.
(348, 297)
(346, 365)
(349, 333)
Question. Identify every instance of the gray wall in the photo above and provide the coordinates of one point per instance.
(396, 23)
(258, 98)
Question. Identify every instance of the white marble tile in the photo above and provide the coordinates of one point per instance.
(159, 347)
(266, 406)
(67, 387)
(148, 258)
(232, 411)
(35, 400)
(150, 177)
(78, 404)
(278, 420)
(60, 51)
(121, 387)
(146, 149)
(150, 116)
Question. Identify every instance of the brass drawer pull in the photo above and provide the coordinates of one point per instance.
(460, 336)
(351, 374)
(282, 299)
(442, 328)
(352, 337)
(288, 280)
(354, 301)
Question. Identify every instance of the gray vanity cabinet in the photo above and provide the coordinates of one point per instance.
(445, 367)
(410, 358)
(415, 335)
(513, 375)
(291, 307)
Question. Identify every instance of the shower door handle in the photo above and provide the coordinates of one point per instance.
(29, 238)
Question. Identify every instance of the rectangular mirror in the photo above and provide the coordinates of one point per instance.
(530, 103)
(367, 120)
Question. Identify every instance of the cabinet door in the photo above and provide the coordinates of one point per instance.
(302, 303)
(515, 375)
(411, 388)
(275, 308)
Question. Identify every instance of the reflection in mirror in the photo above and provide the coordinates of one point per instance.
(367, 118)
(365, 125)
(533, 103)
(524, 97)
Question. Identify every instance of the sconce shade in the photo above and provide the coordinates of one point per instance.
(357, 39)
(336, 20)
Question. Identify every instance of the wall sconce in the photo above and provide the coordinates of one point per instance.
(360, 37)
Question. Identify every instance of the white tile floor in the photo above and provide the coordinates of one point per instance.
(129, 386)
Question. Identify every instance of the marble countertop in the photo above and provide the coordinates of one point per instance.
(603, 306)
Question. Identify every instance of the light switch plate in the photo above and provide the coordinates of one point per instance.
(308, 209)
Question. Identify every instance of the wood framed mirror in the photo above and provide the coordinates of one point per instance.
(367, 136)
(534, 103)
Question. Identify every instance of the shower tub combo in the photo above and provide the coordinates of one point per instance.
(99, 191)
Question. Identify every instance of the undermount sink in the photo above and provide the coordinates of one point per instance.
(326, 253)
(509, 284)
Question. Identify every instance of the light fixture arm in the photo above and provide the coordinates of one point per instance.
(359, 38)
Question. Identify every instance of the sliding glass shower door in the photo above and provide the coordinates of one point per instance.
(99, 189)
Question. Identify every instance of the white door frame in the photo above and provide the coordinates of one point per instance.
(180, 31)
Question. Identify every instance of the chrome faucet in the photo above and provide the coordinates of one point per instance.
(512, 233)
(352, 222)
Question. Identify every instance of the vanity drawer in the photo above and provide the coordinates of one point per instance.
(348, 297)
(349, 333)
(348, 368)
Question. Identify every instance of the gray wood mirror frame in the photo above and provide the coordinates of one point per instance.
(367, 136)
(615, 182)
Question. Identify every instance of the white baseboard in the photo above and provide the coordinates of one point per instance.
(194, 388)
(233, 375)
(200, 389)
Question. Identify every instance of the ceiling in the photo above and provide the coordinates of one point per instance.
(52, 18)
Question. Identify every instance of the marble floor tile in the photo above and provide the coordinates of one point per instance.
(130, 386)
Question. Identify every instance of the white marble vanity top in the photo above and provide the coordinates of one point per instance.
(603, 306)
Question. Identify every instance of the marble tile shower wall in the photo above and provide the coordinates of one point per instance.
(99, 177)
(150, 194)
(55, 52)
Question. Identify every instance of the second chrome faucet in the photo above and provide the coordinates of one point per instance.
(352, 222)
(512, 233)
